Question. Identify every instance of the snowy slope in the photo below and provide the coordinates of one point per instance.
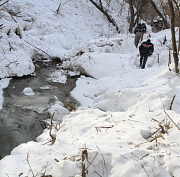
(120, 140)
(44, 31)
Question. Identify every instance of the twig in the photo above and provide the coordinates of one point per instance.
(144, 169)
(39, 49)
(172, 102)
(1, 26)
(7, 174)
(57, 11)
(29, 164)
(97, 173)
(4, 3)
(11, 47)
(92, 161)
(99, 128)
(161, 101)
(153, 133)
(156, 137)
(45, 168)
(89, 164)
(53, 138)
(103, 158)
(162, 129)
(106, 127)
(144, 156)
(171, 119)
(61, 5)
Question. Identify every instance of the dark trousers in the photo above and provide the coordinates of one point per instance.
(143, 61)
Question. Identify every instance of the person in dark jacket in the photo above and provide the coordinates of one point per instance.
(143, 26)
(146, 49)
(138, 34)
(159, 25)
(154, 26)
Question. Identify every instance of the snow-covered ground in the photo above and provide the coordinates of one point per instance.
(125, 126)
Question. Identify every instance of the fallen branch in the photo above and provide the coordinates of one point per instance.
(29, 164)
(106, 127)
(98, 128)
(39, 49)
(4, 3)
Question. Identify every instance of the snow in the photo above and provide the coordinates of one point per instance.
(28, 91)
(124, 122)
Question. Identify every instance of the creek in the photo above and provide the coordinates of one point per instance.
(22, 117)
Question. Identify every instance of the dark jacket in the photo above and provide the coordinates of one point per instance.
(138, 29)
(160, 24)
(143, 28)
(146, 48)
(155, 24)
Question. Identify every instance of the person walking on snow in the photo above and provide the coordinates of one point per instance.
(160, 25)
(154, 26)
(138, 34)
(143, 26)
(146, 49)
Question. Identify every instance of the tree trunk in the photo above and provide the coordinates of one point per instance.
(175, 54)
(178, 20)
(179, 41)
(131, 25)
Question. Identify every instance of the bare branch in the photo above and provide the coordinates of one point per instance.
(39, 49)
(29, 164)
(171, 119)
(4, 3)
(172, 102)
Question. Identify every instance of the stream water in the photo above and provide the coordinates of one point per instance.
(21, 119)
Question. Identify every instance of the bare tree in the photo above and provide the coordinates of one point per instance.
(100, 7)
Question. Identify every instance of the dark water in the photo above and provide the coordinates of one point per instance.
(22, 115)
